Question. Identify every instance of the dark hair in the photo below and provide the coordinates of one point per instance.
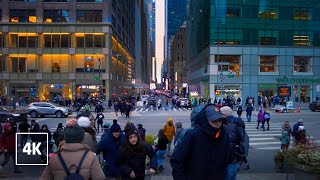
(130, 150)
(160, 133)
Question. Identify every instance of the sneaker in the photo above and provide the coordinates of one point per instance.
(247, 167)
(257, 127)
(17, 171)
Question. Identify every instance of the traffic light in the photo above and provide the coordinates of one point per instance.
(238, 73)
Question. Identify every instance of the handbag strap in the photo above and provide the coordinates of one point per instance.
(81, 161)
(63, 163)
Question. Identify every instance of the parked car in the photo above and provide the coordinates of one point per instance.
(314, 106)
(43, 108)
(9, 114)
(280, 108)
(184, 102)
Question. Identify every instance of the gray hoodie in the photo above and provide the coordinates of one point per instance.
(179, 129)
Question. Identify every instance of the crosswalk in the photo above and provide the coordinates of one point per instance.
(267, 140)
(141, 109)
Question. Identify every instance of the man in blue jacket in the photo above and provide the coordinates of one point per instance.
(203, 152)
(110, 145)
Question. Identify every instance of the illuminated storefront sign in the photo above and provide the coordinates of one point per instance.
(284, 91)
(297, 80)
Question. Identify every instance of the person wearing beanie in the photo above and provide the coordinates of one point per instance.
(90, 138)
(133, 155)
(203, 151)
(169, 131)
(142, 132)
(106, 129)
(72, 151)
(58, 134)
(109, 146)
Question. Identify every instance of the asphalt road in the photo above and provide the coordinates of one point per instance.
(263, 144)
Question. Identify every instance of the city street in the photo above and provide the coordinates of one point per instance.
(263, 144)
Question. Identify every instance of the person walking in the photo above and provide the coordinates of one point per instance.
(99, 108)
(35, 127)
(109, 146)
(260, 119)
(161, 149)
(179, 129)
(285, 141)
(58, 134)
(142, 132)
(249, 111)
(8, 140)
(99, 120)
(267, 118)
(73, 157)
(169, 131)
(128, 108)
(203, 152)
(133, 155)
(90, 138)
(239, 111)
(295, 129)
(116, 108)
(24, 127)
(44, 140)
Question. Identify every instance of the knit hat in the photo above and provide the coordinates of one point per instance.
(300, 120)
(226, 110)
(74, 134)
(213, 113)
(60, 125)
(106, 125)
(131, 130)
(170, 119)
(84, 122)
(139, 126)
(115, 127)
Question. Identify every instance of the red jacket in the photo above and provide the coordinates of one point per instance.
(8, 139)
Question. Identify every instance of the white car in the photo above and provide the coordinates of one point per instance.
(280, 108)
(44, 108)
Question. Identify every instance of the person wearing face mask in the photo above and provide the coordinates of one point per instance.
(109, 146)
(203, 152)
(133, 156)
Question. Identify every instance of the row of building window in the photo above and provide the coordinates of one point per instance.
(267, 12)
(97, 1)
(54, 16)
(31, 40)
(301, 64)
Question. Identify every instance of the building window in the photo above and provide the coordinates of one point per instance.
(1, 40)
(55, 16)
(23, 15)
(90, 40)
(233, 12)
(56, 40)
(2, 64)
(55, 67)
(18, 64)
(268, 13)
(302, 14)
(25, 0)
(268, 37)
(302, 39)
(55, 0)
(97, 1)
(302, 64)
(24, 40)
(268, 64)
(228, 62)
(89, 16)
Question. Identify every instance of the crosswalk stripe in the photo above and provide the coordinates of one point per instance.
(174, 109)
(141, 109)
(260, 139)
(135, 110)
(180, 109)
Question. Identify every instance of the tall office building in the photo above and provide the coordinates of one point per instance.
(160, 36)
(251, 48)
(177, 15)
(69, 48)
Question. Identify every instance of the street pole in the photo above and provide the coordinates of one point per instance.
(100, 84)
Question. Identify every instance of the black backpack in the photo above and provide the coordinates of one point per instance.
(76, 175)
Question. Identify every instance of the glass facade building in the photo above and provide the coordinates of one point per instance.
(66, 48)
(250, 48)
(177, 14)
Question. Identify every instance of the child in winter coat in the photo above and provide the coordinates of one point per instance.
(285, 140)
(261, 119)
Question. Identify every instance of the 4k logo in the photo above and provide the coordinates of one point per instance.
(32, 148)
(28, 154)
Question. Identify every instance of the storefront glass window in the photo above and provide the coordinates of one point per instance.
(90, 40)
(56, 40)
(24, 40)
(302, 93)
(228, 63)
(302, 64)
(268, 64)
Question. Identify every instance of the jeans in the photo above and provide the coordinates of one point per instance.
(160, 157)
(249, 117)
(231, 171)
(23, 140)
